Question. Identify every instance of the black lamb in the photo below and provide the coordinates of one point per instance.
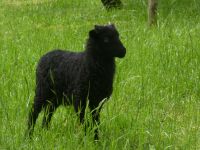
(64, 77)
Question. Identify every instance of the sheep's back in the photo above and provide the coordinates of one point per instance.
(59, 70)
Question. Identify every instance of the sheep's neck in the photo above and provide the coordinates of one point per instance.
(99, 66)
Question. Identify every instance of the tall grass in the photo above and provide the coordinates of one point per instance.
(155, 103)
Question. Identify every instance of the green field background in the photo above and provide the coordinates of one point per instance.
(155, 104)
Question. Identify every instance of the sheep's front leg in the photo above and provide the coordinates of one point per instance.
(96, 121)
(79, 107)
(96, 108)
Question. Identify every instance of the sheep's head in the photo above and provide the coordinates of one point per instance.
(106, 38)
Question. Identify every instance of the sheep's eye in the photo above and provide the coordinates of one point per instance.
(106, 39)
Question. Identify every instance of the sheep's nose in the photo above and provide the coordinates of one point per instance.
(124, 48)
(123, 52)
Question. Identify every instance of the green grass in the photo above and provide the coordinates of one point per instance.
(156, 98)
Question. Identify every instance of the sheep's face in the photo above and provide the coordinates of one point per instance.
(107, 40)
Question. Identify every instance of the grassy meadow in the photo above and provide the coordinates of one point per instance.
(155, 104)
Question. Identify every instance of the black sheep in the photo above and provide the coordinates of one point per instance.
(112, 3)
(64, 77)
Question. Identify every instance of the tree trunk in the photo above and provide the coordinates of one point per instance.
(152, 12)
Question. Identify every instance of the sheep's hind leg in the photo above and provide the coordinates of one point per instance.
(48, 113)
(33, 115)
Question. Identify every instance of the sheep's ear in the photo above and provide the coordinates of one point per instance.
(93, 34)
